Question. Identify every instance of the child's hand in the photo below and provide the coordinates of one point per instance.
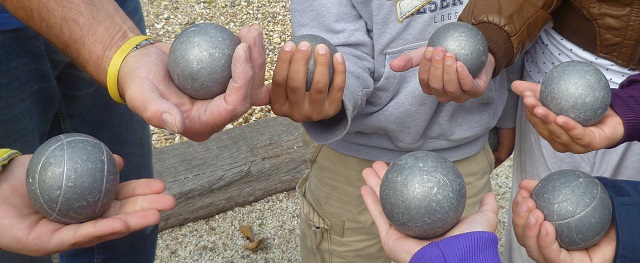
(444, 77)
(289, 97)
(563, 133)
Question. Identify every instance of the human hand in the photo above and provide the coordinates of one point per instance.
(538, 237)
(442, 76)
(506, 142)
(137, 205)
(289, 97)
(145, 84)
(563, 133)
(401, 247)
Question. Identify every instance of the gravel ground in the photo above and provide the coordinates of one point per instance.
(274, 219)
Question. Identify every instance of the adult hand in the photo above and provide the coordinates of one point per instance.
(289, 97)
(401, 247)
(442, 76)
(138, 204)
(506, 142)
(538, 237)
(146, 86)
(563, 133)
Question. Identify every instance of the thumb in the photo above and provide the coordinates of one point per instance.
(520, 87)
(159, 113)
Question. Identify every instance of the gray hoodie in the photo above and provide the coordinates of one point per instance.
(386, 114)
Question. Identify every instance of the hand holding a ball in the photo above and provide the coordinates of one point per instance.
(455, 66)
(147, 88)
(138, 204)
(563, 133)
(301, 100)
(539, 236)
(401, 247)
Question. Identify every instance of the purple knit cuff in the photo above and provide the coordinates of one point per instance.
(625, 101)
(476, 247)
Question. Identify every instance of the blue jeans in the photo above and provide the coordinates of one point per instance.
(43, 94)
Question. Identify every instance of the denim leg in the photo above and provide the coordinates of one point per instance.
(45, 95)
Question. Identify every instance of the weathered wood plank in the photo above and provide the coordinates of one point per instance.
(233, 168)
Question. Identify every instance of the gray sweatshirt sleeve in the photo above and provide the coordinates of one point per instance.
(343, 24)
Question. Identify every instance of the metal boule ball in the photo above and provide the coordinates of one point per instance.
(578, 90)
(466, 42)
(72, 178)
(315, 40)
(423, 194)
(200, 60)
(577, 205)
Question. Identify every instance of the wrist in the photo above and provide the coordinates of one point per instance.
(6, 155)
(134, 43)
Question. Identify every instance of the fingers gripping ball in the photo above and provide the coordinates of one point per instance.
(577, 205)
(466, 42)
(72, 178)
(578, 90)
(423, 194)
(315, 40)
(200, 60)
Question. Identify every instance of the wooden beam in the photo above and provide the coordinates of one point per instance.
(235, 167)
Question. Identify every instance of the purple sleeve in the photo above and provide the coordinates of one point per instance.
(476, 247)
(625, 101)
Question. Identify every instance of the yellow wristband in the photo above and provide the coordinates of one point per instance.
(114, 66)
(7, 155)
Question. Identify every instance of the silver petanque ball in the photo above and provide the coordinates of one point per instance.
(72, 178)
(200, 60)
(577, 205)
(423, 194)
(315, 40)
(578, 90)
(466, 42)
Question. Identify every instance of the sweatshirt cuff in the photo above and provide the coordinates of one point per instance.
(477, 246)
(624, 103)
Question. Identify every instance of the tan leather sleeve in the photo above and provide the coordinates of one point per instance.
(510, 26)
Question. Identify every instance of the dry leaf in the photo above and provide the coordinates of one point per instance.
(247, 232)
(256, 245)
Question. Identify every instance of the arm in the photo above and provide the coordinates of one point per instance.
(351, 38)
(90, 33)
(509, 26)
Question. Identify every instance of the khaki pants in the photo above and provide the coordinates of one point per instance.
(335, 225)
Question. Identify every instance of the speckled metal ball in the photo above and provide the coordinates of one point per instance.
(72, 178)
(577, 205)
(315, 40)
(200, 60)
(466, 42)
(423, 194)
(578, 90)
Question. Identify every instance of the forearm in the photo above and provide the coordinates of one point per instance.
(88, 32)
(509, 26)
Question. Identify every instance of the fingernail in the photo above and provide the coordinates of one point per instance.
(429, 53)
(304, 45)
(448, 59)
(169, 122)
(339, 57)
(523, 208)
(543, 231)
(322, 49)
(438, 54)
(288, 46)
(531, 220)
